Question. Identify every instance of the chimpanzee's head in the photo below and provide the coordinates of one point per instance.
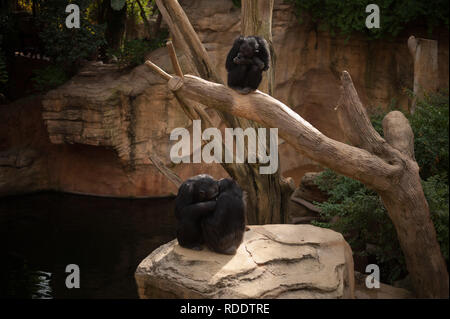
(249, 47)
(205, 188)
(231, 186)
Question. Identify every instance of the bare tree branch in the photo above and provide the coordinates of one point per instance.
(344, 159)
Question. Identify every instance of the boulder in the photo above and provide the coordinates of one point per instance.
(308, 189)
(302, 209)
(274, 261)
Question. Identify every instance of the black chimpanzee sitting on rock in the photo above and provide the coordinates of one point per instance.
(246, 61)
(211, 212)
(196, 198)
(223, 229)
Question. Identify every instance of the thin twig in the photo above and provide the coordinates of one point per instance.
(173, 57)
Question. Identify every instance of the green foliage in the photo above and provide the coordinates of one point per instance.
(436, 192)
(134, 11)
(69, 46)
(48, 78)
(133, 52)
(430, 125)
(358, 212)
(348, 16)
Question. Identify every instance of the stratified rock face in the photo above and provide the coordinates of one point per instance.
(131, 114)
(274, 261)
(103, 123)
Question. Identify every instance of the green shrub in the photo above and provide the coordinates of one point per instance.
(69, 46)
(49, 77)
(358, 212)
(430, 125)
(436, 192)
(348, 16)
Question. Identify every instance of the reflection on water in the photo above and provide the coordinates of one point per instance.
(43, 289)
(41, 234)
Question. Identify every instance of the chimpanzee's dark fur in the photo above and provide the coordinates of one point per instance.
(246, 61)
(223, 230)
(196, 198)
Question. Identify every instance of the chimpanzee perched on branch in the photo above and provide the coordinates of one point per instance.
(246, 61)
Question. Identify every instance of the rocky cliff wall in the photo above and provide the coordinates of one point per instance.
(95, 132)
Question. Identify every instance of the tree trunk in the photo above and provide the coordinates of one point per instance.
(426, 73)
(256, 19)
(267, 195)
(115, 24)
(408, 210)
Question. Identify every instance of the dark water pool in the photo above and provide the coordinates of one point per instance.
(41, 234)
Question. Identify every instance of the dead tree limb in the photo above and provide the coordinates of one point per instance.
(386, 167)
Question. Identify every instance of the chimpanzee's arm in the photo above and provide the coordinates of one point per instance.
(198, 210)
(263, 53)
(229, 64)
(241, 59)
(258, 62)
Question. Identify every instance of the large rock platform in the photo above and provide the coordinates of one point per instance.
(274, 261)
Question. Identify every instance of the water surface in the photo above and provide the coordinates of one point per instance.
(40, 234)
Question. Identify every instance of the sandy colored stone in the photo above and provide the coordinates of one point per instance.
(274, 261)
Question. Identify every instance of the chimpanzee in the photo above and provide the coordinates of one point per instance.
(223, 229)
(196, 198)
(246, 61)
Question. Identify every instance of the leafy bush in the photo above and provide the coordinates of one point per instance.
(347, 16)
(436, 192)
(358, 212)
(48, 78)
(430, 125)
(134, 11)
(68, 46)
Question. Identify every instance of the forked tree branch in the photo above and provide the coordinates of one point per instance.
(354, 120)
(262, 108)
